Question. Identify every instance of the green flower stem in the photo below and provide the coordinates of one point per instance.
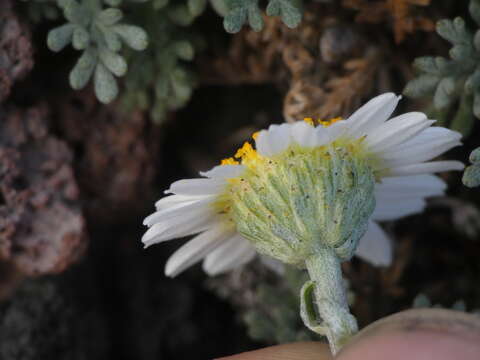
(330, 298)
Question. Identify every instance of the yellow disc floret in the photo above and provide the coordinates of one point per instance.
(248, 155)
(229, 161)
(324, 123)
(329, 122)
(309, 121)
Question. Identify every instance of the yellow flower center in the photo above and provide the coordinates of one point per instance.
(248, 156)
(229, 161)
(324, 123)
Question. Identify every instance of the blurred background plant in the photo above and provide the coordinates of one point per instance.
(454, 83)
(240, 12)
(158, 79)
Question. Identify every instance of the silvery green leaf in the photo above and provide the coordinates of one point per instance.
(474, 8)
(475, 156)
(64, 3)
(442, 64)
(134, 36)
(159, 112)
(81, 38)
(469, 84)
(426, 64)
(114, 62)
(110, 16)
(421, 86)
(289, 12)
(180, 85)
(461, 52)
(239, 12)
(113, 2)
(106, 87)
(196, 7)
(255, 19)
(162, 87)
(476, 104)
(181, 15)
(76, 13)
(443, 95)
(112, 39)
(159, 4)
(220, 7)
(234, 20)
(453, 31)
(60, 37)
(471, 176)
(476, 40)
(184, 50)
(83, 70)
(463, 120)
(274, 8)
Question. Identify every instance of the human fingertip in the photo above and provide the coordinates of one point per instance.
(294, 351)
(418, 334)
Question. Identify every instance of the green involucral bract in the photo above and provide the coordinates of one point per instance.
(298, 203)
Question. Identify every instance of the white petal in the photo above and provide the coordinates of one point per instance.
(233, 253)
(307, 135)
(391, 210)
(334, 131)
(178, 227)
(171, 200)
(406, 187)
(426, 145)
(274, 140)
(428, 135)
(426, 167)
(224, 171)
(372, 114)
(303, 134)
(197, 187)
(375, 246)
(181, 209)
(417, 154)
(401, 196)
(397, 130)
(196, 249)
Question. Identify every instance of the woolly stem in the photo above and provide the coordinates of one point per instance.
(330, 298)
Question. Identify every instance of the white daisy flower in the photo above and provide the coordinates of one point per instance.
(397, 153)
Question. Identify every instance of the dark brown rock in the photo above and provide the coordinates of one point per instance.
(42, 229)
(117, 156)
(16, 54)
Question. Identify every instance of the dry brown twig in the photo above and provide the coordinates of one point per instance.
(400, 12)
(327, 65)
(338, 95)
